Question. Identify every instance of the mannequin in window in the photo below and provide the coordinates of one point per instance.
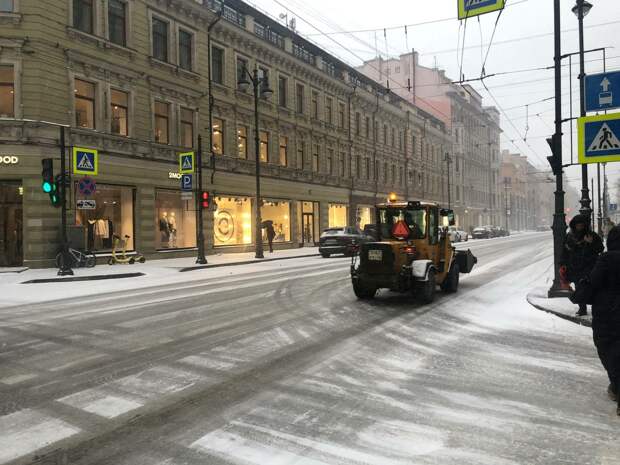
(172, 226)
(164, 229)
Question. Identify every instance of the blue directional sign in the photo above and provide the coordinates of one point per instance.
(186, 182)
(613, 207)
(603, 91)
(470, 8)
(599, 138)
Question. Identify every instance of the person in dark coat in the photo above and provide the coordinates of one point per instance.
(605, 284)
(271, 234)
(581, 249)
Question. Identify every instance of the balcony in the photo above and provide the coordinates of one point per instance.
(269, 35)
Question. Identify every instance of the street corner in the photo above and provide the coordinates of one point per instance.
(561, 307)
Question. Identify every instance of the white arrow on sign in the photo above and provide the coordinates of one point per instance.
(605, 84)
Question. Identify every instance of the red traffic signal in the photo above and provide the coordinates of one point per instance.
(205, 199)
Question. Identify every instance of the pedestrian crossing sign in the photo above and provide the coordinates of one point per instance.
(186, 163)
(470, 8)
(599, 138)
(85, 161)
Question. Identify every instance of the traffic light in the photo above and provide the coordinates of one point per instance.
(205, 200)
(49, 185)
(554, 160)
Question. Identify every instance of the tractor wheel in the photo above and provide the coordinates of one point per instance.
(363, 292)
(427, 289)
(451, 283)
(324, 255)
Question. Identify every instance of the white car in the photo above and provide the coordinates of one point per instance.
(453, 234)
(463, 236)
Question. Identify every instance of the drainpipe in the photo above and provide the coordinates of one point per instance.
(374, 146)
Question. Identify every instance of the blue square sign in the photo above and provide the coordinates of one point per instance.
(603, 91)
(186, 182)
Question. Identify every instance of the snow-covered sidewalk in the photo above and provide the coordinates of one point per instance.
(561, 306)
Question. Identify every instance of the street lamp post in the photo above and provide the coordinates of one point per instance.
(260, 86)
(581, 9)
(448, 162)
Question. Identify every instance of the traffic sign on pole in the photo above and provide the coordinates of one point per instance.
(85, 161)
(599, 138)
(603, 91)
(186, 182)
(469, 8)
(186, 163)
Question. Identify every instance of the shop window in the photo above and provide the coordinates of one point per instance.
(315, 158)
(84, 104)
(160, 32)
(186, 46)
(7, 92)
(264, 146)
(113, 215)
(282, 86)
(187, 127)
(242, 142)
(83, 15)
(242, 66)
(329, 110)
(218, 136)
(117, 22)
(11, 223)
(217, 65)
(7, 6)
(283, 151)
(162, 122)
(175, 221)
(279, 213)
(299, 98)
(120, 106)
(337, 215)
(308, 222)
(232, 221)
(364, 216)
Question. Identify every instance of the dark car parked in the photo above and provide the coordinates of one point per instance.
(482, 233)
(341, 241)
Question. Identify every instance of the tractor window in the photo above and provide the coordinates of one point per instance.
(433, 231)
(415, 219)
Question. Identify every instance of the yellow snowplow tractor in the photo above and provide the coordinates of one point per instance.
(413, 253)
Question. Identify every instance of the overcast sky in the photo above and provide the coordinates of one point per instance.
(529, 21)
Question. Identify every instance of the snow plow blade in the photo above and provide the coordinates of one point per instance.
(466, 260)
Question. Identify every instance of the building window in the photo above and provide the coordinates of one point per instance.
(282, 85)
(329, 117)
(301, 154)
(217, 65)
(303, 54)
(400, 140)
(393, 137)
(84, 104)
(264, 146)
(7, 92)
(113, 216)
(218, 136)
(160, 39)
(232, 221)
(186, 40)
(367, 168)
(175, 221)
(330, 161)
(367, 127)
(283, 151)
(187, 127)
(83, 15)
(341, 115)
(263, 73)
(358, 166)
(279, 213)
(385, 134)
(342, 164)
(120, 107)
(299, 98)
(315, 158)
(315, 104)
(7, 6)
(242, 66)
(242, 142)
(117, 22)
(338, 215)
(162, 122)
(358, 124)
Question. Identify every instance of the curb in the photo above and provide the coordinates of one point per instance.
(573, 319)
(100, 277)
(244, 262)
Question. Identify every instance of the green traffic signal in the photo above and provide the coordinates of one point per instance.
(47, 187)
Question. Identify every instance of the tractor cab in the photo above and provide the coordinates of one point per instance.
(413, 252)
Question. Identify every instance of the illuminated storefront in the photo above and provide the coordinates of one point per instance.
(232, 221)
(279, 213)
(175, 221)
(308, 223)
(338, 215)
(364, 216)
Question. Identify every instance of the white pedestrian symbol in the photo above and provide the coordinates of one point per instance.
(604, 140)
(85, 163)
(187, 163)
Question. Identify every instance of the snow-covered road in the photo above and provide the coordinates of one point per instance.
(279, 364)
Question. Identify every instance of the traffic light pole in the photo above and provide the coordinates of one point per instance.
(559, 217)
(200, 235)
(65, 263)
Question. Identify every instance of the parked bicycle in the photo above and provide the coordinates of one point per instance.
(77, 259)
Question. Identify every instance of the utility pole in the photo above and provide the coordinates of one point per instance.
(200, 236)
(559, 216)
(506, 188)
(448, 162)
(65, 263)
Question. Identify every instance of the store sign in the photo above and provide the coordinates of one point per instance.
(86, 204)
(9, 160)
(172, 175)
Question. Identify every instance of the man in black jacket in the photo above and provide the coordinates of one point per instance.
(605, 279)
(581, 249)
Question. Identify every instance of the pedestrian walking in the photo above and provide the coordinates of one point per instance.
(271, 234)
(605, 288)
(582, 247)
